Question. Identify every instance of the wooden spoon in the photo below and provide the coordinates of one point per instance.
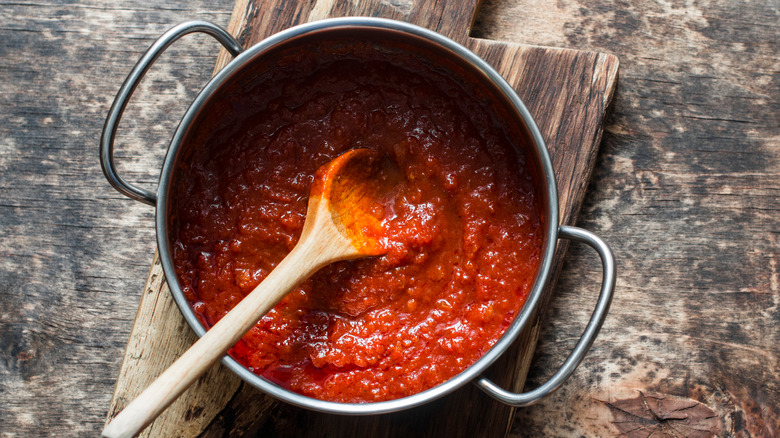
(343, 222)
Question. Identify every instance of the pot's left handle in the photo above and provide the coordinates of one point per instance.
(129, 86)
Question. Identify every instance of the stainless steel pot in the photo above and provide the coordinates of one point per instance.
(471, 65)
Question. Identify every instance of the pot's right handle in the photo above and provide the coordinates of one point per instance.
(574, 359)
(129, 86)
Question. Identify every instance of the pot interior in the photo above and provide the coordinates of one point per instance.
(291, 104)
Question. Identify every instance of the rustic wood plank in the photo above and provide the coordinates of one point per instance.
(73, 254)
(686, 192)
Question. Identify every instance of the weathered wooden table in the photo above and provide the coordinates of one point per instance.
(686, 190)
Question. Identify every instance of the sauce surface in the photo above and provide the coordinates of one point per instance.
(465, 223)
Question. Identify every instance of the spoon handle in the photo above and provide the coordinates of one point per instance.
(322, 241)
(296, 267)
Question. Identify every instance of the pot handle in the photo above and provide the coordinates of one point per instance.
(129, 86)
(587, 338)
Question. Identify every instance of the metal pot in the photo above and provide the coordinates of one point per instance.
(469, 64)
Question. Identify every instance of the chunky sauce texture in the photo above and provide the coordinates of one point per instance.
(465, 223)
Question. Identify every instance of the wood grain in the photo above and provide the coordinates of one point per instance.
(685, 190)
(74, 254)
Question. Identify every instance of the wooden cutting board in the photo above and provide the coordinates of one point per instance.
(566, 91)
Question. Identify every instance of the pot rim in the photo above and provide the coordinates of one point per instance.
(550, 212)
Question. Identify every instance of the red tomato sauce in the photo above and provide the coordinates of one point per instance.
(466, 223)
